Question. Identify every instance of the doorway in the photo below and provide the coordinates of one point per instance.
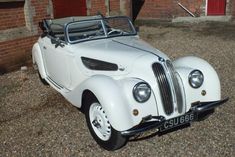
(65, 8)
(216, 7)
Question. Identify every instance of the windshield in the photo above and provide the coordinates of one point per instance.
(99, 28)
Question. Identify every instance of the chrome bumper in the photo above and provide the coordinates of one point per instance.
(155, 122)
(205, 106)
(145, 125)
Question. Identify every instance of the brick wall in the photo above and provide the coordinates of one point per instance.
(97, 6)
(19, 31)
(109, 7)
(42, 10)
(11, 16)
(114, 7)
(15, 53)
(168, 8)
(233, 9)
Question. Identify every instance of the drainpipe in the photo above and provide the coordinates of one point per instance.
(186, 9)
(107, 4)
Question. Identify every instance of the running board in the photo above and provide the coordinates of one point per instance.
(58, 87)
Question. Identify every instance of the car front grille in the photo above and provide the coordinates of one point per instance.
(169, 87)
(164, 86)
(177, 89)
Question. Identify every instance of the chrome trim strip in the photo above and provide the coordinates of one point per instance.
(54, 83)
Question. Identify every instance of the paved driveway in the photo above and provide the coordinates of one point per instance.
(37, 121)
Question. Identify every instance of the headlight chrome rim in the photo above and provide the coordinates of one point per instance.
(138, 97)
(192, 76)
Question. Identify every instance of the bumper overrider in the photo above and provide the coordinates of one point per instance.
(160, 123)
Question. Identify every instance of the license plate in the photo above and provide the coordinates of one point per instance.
(177, 121)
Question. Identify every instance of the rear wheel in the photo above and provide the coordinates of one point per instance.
(100, 128)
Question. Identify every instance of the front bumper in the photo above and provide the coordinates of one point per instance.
(155, 122)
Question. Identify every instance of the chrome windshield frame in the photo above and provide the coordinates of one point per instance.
(66, 29)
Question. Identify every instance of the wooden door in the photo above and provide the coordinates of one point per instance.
(65, 8)
(216, 7)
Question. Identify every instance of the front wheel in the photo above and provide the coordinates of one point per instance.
(100, 128)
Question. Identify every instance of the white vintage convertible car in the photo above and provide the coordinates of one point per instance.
(123, 85)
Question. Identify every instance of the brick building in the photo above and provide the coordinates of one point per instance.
(171, 8)
(19, 30)
(19, 18)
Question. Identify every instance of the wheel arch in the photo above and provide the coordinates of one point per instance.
(211, 83)
(112, 101)
(86, 95)
(115, 140)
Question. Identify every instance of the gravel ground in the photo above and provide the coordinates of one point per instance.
(37, 121)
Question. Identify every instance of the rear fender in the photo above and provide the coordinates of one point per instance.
(38, 60)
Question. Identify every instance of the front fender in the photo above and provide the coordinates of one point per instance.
(211, 83)
(111, 97)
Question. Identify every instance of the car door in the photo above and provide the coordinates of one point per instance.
(56, 62)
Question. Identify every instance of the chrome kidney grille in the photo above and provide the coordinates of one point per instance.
(164, 86)
(169, 87)
(177, 90)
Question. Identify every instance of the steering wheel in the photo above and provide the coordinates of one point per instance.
(115, 31)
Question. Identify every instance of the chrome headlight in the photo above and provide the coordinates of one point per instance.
(141, 92)
(196, 78)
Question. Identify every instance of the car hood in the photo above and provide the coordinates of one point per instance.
(122, 51)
